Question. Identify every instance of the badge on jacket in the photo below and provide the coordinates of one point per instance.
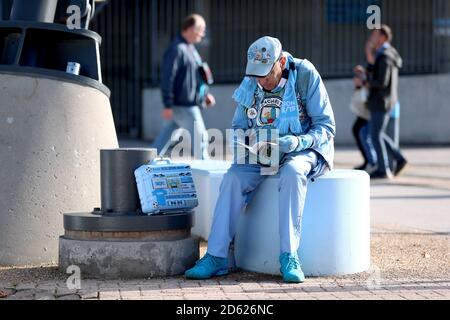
(252, 113)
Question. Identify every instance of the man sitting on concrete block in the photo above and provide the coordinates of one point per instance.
(287, 95)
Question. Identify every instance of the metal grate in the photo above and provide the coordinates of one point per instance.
(135, 34)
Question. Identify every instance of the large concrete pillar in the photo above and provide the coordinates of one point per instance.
(51, 131)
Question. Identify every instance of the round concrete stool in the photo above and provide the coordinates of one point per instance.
(335, 227)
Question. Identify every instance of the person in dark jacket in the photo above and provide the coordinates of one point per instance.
(384, 63)
(183, 89)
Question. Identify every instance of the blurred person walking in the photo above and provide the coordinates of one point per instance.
(384, 63)
(360, 129)
(185, 90)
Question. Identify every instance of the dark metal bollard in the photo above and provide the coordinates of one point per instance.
(119, 193)
(35, 10)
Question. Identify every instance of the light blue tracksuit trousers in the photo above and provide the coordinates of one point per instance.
(236, 190)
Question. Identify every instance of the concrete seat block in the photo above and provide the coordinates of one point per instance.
(335, 227)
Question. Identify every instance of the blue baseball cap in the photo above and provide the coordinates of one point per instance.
(262, 55)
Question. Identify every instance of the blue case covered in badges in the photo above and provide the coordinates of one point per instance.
(165, 187)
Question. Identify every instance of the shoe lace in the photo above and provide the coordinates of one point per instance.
(207, 259)
(292, 263)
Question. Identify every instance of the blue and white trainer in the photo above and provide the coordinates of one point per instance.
(207, 267)
(291, 268)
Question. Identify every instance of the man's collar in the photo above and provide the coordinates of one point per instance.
(183, 39)
(382, 48)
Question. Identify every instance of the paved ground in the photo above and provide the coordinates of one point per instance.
(239, 286)
(410, 248)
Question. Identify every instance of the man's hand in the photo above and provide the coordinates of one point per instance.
(369, 53)
(357, 82)
(287, 143)
(290, 143)
(304, 142)
(210, 100)
(167, 113)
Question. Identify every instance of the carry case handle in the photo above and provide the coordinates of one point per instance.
(161, 160)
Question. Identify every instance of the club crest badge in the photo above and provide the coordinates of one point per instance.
(252, 113)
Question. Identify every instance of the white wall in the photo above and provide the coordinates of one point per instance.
(424, 119)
